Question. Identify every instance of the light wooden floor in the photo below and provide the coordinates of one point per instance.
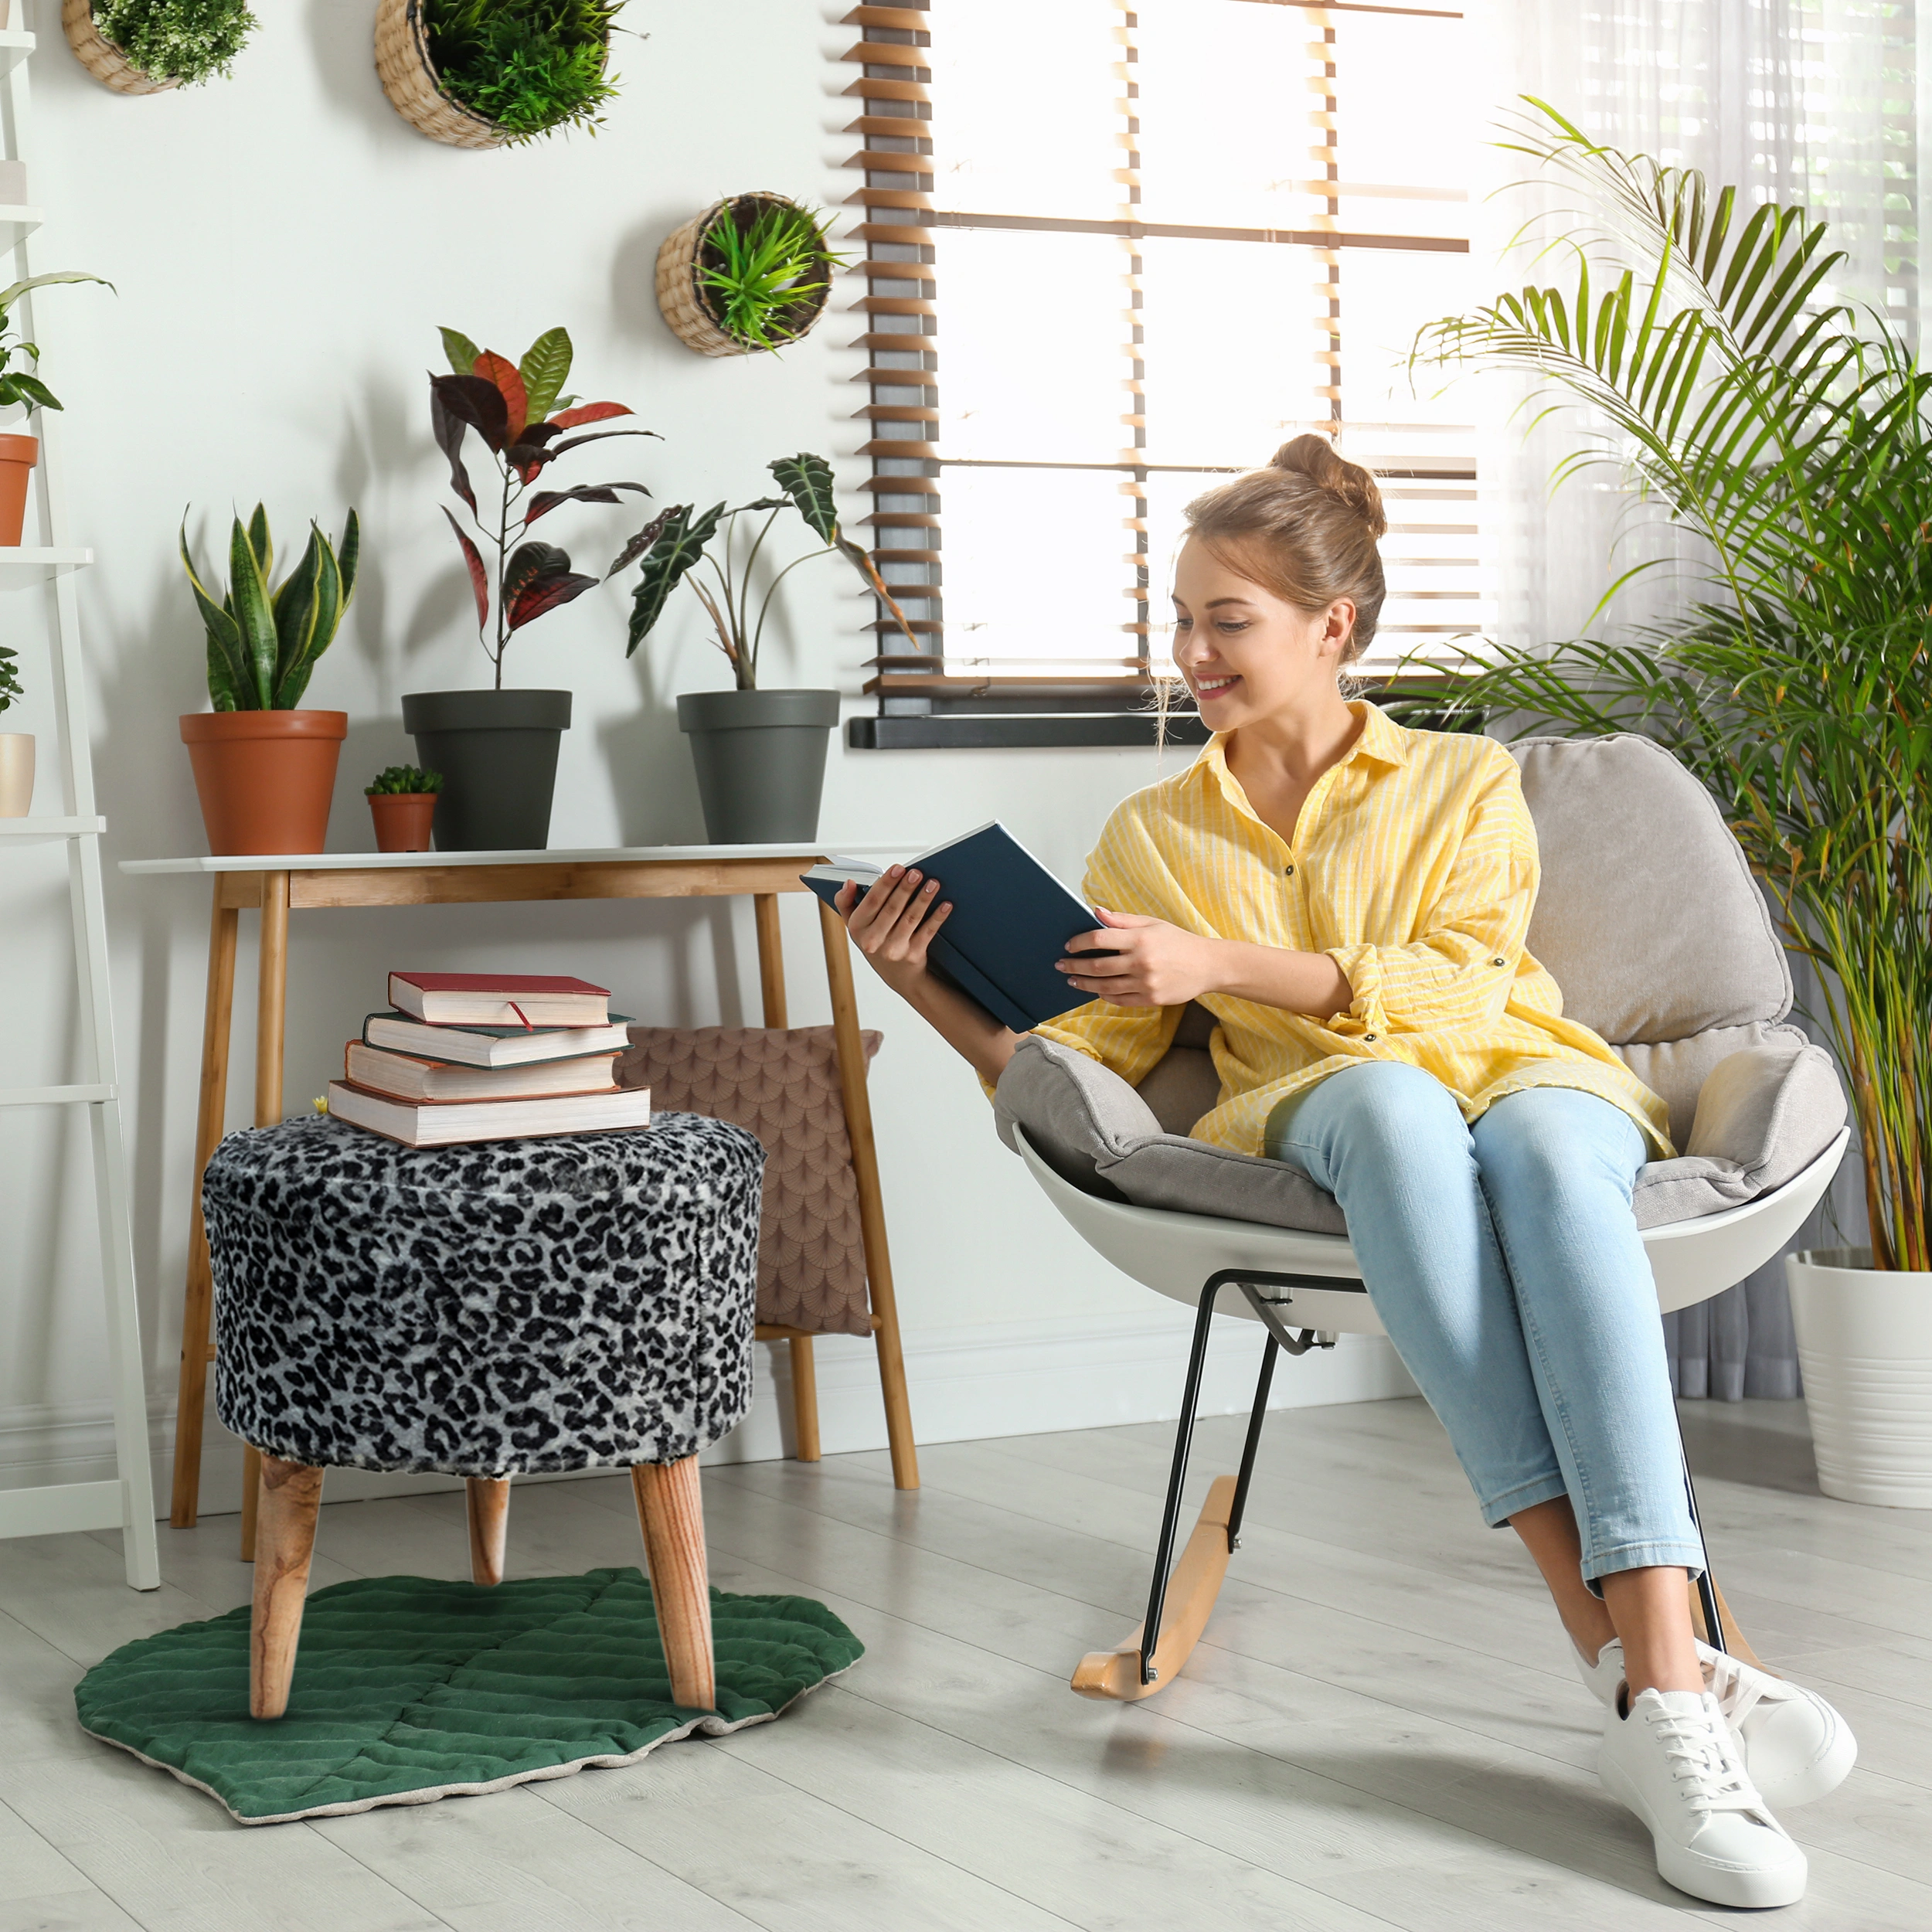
(1381, 1730)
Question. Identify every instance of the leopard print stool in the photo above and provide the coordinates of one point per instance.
(505, 1308)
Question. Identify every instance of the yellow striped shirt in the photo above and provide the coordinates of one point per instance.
(1414, 867)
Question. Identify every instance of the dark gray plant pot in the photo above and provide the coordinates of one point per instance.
(761, 760)
(497, 751)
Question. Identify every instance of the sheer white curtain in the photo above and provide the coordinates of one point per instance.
(1814, 101)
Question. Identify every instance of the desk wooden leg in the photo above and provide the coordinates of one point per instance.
(671, 1511)
(271, 1019)
(487, 1507)
(771, 958)
(871, 1209)
(292, 1497)
(805, 1399)
(771, 984)
(198, 1306)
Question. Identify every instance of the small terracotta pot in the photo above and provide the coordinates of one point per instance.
(264, 777)
(403, 819)
(16, 774)
(18, 456)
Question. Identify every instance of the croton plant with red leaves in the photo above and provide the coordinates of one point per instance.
(520, 411)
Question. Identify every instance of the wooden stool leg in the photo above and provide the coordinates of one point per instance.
(489, 1514)
(291, 1493)
(805, 1399)
(672, 1513)
(251, 1499)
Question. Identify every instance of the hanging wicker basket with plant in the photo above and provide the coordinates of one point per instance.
(490, 73)
(147, 46)
(748, 274)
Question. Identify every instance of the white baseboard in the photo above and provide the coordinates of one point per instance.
(1005, 1378)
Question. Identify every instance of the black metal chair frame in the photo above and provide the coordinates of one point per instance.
(1251, 1281)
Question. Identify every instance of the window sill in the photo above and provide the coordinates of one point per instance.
(1036, 730)
(1067, 730)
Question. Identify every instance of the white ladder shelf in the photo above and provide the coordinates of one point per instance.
(125, 1501)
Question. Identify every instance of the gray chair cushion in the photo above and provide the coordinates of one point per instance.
(1647, 916)
(1767, 1112)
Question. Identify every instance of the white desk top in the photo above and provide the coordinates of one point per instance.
(592, 855)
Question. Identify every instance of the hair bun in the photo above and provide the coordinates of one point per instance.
(1315, 457)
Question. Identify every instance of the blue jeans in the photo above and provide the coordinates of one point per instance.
(1506, 1264)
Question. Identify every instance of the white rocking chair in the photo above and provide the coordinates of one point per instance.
(1650, 921)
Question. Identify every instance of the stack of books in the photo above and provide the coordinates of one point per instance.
(487, 1057)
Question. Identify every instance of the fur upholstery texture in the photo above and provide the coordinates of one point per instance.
(505, 1308)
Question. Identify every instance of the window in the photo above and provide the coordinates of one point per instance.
(1113, 251)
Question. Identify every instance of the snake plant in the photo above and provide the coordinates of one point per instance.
(1700, 350)
(263, 644)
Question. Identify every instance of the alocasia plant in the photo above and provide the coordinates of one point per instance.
(520, 412)
(673, 543)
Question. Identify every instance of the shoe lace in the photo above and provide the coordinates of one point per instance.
(1706, 1770)
(1738, 1691)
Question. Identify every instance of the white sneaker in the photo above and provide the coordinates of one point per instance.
(1795, 1745)
(1674, 1763)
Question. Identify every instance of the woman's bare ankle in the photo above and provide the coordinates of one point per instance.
(1651, 1609)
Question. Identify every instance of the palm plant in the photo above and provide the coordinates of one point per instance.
(1700, 350)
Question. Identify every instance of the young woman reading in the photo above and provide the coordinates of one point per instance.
(1350, 900)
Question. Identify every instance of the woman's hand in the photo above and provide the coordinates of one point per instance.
(1154, 964)
(893, 923)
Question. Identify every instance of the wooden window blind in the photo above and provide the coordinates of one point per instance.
(1113, 252)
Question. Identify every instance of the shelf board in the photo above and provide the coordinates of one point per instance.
(24, 563)
(19, 222)
(16, 44)
(40, 831)
(88, 1094)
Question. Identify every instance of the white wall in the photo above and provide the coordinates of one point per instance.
(284, 247)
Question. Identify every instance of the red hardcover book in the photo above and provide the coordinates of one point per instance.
(499, 999)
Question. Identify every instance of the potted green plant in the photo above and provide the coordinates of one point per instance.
(147, 46)
(760, 755)
(402, 801)
(16, 747)
(264, 767)
(748, 274)
(489, 73)
(498, 749)
(21, 388)
(1715, 367)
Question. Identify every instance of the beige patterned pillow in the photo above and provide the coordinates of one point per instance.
(782, 1083)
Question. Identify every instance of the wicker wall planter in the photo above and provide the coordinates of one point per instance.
(690, 307)
(101, 57)
(408, 77)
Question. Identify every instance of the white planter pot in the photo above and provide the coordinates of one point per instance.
(16, 774)
(1865, 1346)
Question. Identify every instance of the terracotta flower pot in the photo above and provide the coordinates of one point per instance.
(264, 777)
(403, 819)
(18, 456)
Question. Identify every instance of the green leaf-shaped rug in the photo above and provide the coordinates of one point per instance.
(407, 1689)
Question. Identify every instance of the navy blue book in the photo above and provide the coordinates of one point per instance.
(1010, 921)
